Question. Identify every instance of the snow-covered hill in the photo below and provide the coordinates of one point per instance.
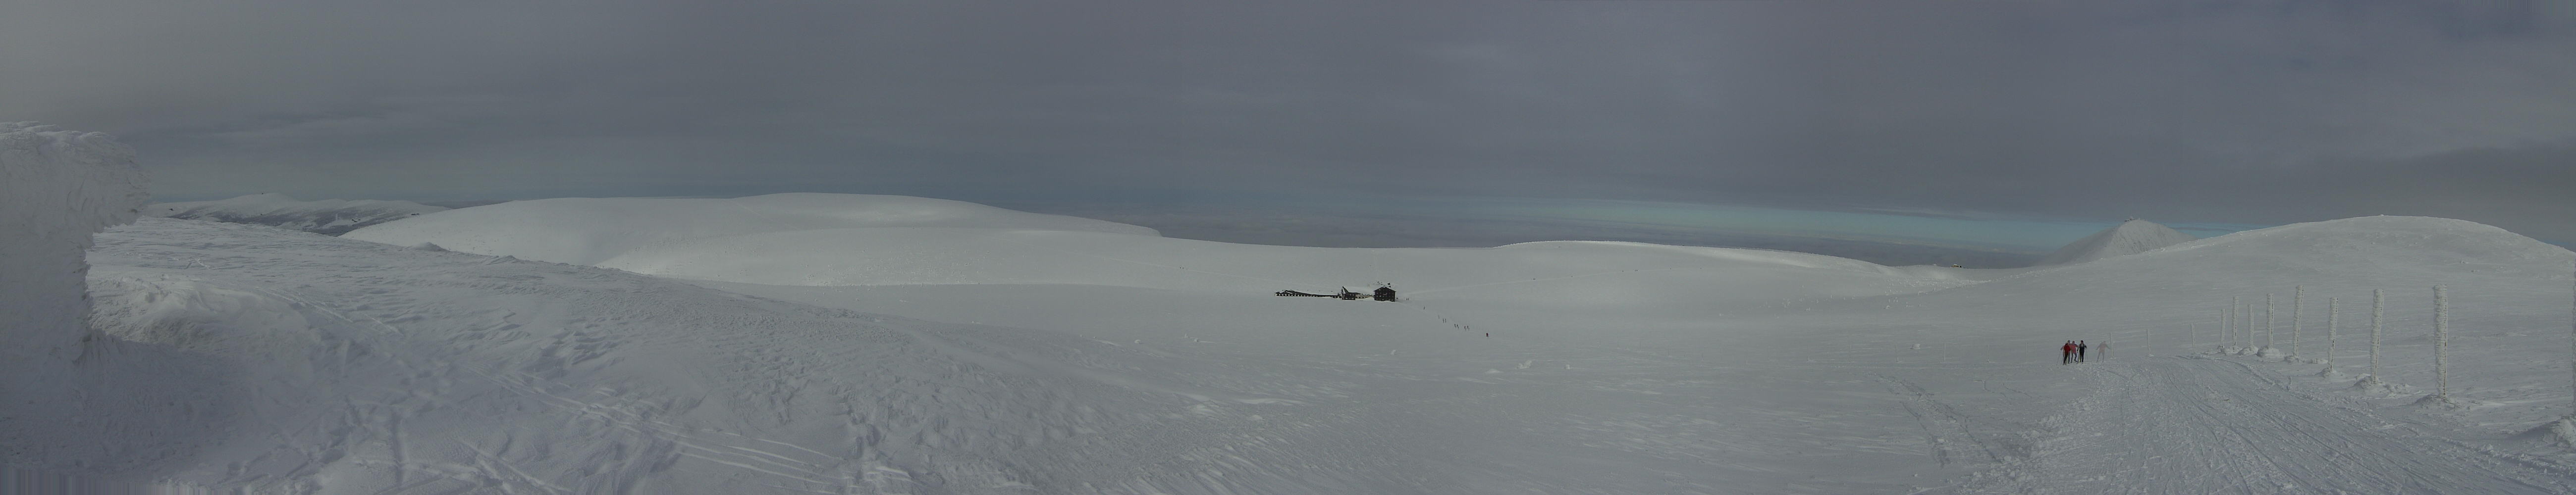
(2130, 237)
(592, 230)
(326, 217)
(915, 241)
(832, 350)
(431, 371)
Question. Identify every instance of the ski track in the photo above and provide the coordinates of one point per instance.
(2216, 425)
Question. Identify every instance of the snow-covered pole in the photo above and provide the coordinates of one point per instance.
(2268, 323)
(2378, 303)
(2441, 342)
(2298, 306)
(2334, 312)
(2227, 326)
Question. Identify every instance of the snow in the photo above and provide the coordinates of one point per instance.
(326, 217)
(359, 367)
(57, 187)
(2130, 237)
(589, 230)
(837, 240)
(805, 344)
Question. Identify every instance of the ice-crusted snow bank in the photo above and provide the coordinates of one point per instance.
(326, 217)
(57, 187)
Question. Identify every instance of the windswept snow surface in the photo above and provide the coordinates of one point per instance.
(1135, 364)
(2130, 237)
(1826, 394)
(326, 217)
(342, 366)
(588, 231)
(56, 188)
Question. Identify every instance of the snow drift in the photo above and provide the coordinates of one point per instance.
(2130, 237)
(57, 187)
(326, 217)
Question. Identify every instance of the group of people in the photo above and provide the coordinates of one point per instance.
(2075, 349)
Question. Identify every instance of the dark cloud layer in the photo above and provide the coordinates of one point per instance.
(2245, 112)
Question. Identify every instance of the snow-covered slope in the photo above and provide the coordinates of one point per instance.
(326, 217)
(903, 241)
(591, 230)
(2130, 237)
(1571, 367)
(2233, 422)
(56, 188)
(310, 364)
(1956, 384)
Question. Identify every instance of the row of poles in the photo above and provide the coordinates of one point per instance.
(2236, 324)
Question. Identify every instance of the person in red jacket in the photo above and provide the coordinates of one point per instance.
(2068, 355)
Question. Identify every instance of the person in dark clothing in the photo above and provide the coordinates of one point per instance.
(2079, 351)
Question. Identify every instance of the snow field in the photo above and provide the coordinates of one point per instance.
(1018, 358)
(363, 367)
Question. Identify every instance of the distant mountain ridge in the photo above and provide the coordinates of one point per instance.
(326, 217)
(2131, 237)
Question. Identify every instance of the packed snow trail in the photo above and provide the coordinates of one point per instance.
(2217, 425)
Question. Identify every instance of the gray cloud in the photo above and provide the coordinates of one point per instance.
(2185, 112)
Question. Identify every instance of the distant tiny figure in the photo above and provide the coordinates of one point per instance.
(2066, 353)
(1489, 335)
(2106, 350)
(2079, 351)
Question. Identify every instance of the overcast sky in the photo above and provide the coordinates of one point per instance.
(2182, 112)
